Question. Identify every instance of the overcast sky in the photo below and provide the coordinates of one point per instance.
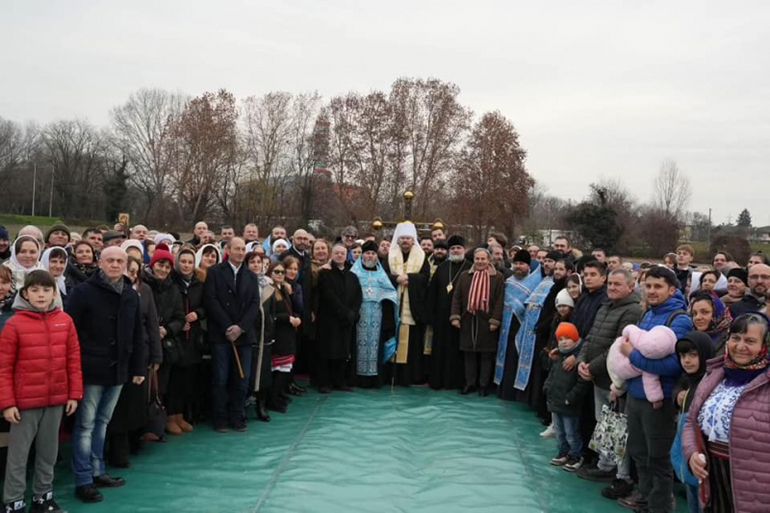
(595, 89)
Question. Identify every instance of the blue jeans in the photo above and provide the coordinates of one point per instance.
(229, 406)
(693, 505)
(93, 415)
(568, 434)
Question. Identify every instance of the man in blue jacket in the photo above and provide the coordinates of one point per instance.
(651, 431)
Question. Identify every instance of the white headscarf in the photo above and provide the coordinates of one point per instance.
(19, 271)
(132, 243)
(165, 237)
(280, 242)
(45, 261)
(199, 254)
(405, 229)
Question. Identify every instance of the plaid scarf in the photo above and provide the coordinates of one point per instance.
(478, 299)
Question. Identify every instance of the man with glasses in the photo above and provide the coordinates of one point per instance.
(754, 299)
(348, 238)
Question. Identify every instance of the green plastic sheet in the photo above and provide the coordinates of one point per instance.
(401, 450)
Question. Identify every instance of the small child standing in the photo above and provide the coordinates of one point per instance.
(693, 350)
(565, 392)
(40, 378)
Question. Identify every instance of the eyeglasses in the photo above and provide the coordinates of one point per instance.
(763, 277)
(276, 271)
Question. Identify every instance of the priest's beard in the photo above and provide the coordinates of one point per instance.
(456, 259)
(438, 260)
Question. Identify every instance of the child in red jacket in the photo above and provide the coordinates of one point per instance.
(40, 378)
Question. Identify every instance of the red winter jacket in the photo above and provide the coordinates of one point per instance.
(39, 360)
(749, 439)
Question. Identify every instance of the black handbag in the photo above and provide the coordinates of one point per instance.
(156, 412)
(172, 353)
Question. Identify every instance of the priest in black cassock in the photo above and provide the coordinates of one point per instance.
(446, 361)
(409, 270)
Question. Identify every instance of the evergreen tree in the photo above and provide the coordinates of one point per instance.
(115, 190)
(744, 218)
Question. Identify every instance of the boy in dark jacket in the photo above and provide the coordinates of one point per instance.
(40, 379)
(566, 392)
(693, 350)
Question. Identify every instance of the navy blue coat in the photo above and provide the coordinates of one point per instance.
(110, 331)
(231, 302)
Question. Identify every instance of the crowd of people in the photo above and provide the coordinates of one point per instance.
(133, 335)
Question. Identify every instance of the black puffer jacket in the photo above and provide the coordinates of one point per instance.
(565, 390)
(608, 325)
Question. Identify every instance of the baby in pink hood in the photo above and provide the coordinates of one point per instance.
(655, 344)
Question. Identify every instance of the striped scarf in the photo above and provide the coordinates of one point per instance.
(478, 299)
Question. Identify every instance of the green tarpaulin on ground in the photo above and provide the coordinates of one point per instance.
(406, 450)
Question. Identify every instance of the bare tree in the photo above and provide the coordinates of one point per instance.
(142, 128)
(671, 190)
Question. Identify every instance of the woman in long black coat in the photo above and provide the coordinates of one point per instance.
(262, 365)
(171, 318)
(286, 323)
(338, 311)
(125, 429)
(181, 389)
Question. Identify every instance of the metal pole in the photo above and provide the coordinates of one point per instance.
(709, 230)
(50, 201)
(34, 183)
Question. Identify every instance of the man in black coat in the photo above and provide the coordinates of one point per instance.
(755, 298)
(231, 297)
(299, 250)
(107, 314)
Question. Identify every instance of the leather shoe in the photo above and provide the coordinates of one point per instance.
(298, 388)
(262, 414)
(88, 494)
(483, 392)
(107, 481)
(467, 389)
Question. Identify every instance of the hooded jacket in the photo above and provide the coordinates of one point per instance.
(39, 359)
(562, 387)
(667, 368)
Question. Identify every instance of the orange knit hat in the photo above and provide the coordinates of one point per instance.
(567, 329)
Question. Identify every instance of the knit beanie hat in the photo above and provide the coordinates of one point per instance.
(58, 227)
(740, 273)
(567, 329)
(564, 299)
(3, 233)
(161, 253)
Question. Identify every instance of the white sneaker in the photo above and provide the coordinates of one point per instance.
(549, 432)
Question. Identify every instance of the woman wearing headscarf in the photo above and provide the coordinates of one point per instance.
(171, 320)
(54, 261)
(725, 440)
(125, 430)
(181, 388)
(711, 316)
(25, 256)
(261, 368)
(82, 264)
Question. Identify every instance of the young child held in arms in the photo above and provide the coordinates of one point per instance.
(565, 393)
(40, 379)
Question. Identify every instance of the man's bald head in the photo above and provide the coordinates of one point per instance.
(759, 279)
(300, 240)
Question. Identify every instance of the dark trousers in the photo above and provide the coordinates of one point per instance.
(650, 435)
(180, 391)
(475, 360)
(331, 373)
(228, 405)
